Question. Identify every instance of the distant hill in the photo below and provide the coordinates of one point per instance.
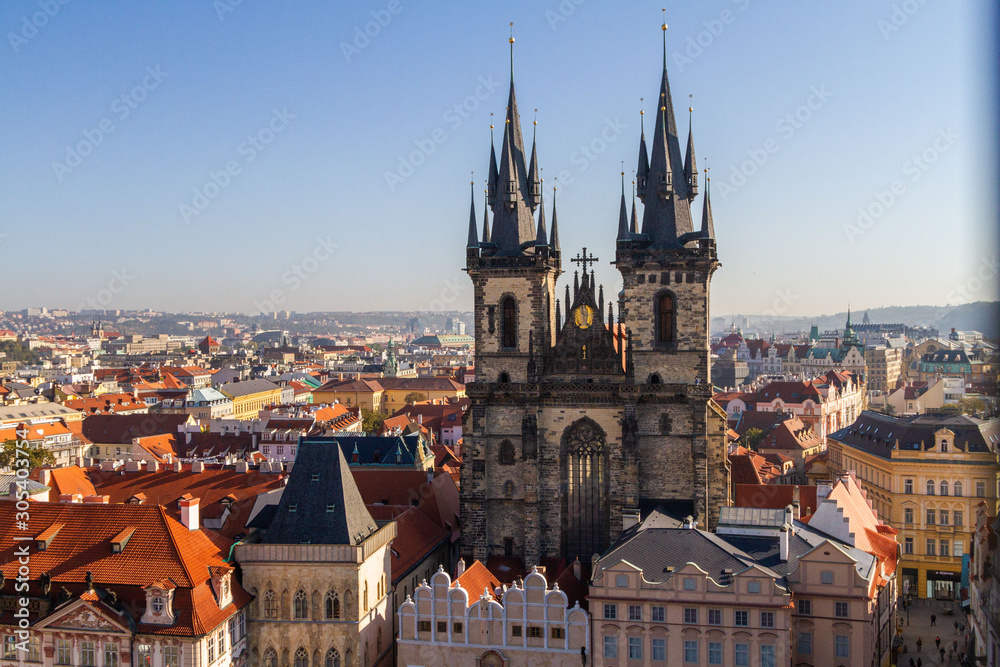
(981, 316)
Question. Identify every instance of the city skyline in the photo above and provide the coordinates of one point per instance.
(210, 133)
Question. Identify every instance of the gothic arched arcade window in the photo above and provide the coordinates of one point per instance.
(332, 606)
(665, 318)
(332, 658)
(270, 608)
(301, 658)
(586, 504)
(506, 452)
(301, 605)
(270, 658)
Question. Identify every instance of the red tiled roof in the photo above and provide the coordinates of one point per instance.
(106, 404)
(71, 479)
(416, 536)
(773, 496)
(476, 579)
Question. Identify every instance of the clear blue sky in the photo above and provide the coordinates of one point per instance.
(200, 81)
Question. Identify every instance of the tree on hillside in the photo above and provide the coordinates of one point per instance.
(971, 405)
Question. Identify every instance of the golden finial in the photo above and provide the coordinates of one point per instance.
(511, 32)
(664, 18)
(491, 120)
(473, 178)
(641, 110)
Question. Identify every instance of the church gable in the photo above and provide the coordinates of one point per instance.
(585, 345)
(82, 616)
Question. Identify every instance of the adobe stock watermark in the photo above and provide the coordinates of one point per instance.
(104, 296)
(296, 275)
(913, 169)
(900, 16)
(562, 12)
(589, 152)
(454, 117)
(450, 293)
(48, 9)
(695, 45)
(122, 107)
(22, 517)
(786, 126)
(223, 7)
(363, 35)
(248, 149)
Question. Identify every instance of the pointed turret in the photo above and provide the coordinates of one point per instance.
(642, 173)
(633, 224)
(667, 212)
(473, 240)
(623, 233)
(534, 178)
(513, 221)
(554, 237)
(541, 235)
(493, 175)
(486, 218)
(707, 224)
(690, 167)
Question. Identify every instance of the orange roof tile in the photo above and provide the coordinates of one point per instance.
(475, 580)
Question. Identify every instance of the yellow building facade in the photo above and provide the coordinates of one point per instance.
(924, 475)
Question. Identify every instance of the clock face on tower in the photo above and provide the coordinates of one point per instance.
(583, 316)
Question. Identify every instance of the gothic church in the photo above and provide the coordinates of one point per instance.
(581, 419)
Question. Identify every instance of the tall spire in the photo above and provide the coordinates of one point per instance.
(623, 233)
(513, 221)
(486, 218)
(690, 167)
(707, 224)
(642, 172)
(473, 240)
(667, 212)
(554, 236)
(541, 236)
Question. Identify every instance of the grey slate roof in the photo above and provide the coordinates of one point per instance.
(765, 550)
(377, 450)
(655, 549)
(321, 503)
(879, 434)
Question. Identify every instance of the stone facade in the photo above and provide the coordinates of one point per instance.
(328, 603)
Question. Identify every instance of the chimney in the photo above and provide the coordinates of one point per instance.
(132, 466)
(96, 500)
(797, 510)
(44, 476)
(177, 466)
(789, 514)
(187, 438)
(288, 466)
(152, 466)
(189, 513)
(198, 466)
(630, 517)
(460, 568)
(420, 419)
(689, 522)
(70, 498)
(578, 569)
(242, 467)
(784, 541)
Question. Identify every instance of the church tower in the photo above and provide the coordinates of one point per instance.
(580, 422)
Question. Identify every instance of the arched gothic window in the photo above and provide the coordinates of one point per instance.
(506, 452)
(332, 658)
(586, 510)
(301, 658)
(665, 318)
(508, 322)
(270, 658)
(270, 607)
(301, 606)
(332, 605)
